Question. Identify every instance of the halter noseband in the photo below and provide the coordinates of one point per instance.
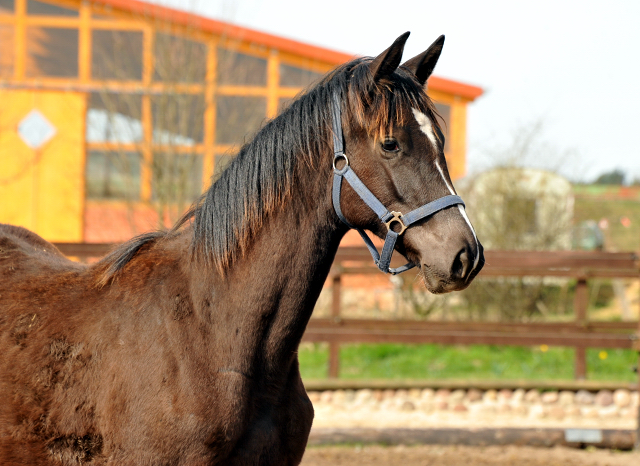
(388, 218)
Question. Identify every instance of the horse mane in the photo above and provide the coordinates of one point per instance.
(266, 170)
(115, 261)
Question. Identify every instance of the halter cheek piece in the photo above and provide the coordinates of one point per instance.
(404, 221)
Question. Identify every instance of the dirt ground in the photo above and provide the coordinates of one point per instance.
(435, 455)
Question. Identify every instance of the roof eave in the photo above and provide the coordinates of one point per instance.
(466, 91)
(231, 31)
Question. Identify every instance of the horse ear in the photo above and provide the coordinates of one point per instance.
(422, 65)
(389, 60)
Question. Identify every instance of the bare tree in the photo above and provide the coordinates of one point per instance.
(171, 150)
(513, 206)
(526, 146)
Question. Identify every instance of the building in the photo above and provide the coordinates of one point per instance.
(116, 113)
(521, 208)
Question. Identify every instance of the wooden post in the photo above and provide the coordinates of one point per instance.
(20, 45)
(334, 347)
(209, 161)
(580, 303)
(273, 81)
(636, 445)
(146, 171)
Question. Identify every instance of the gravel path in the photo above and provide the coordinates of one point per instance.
(473, 408)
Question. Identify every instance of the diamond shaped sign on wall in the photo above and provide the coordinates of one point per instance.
(35, 130)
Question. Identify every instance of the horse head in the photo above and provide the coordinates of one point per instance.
(399, 185)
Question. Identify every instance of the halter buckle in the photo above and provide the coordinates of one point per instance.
(337, 156)
(397, 217)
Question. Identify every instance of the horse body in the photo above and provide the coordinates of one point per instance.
(181, 347)
(110, 375)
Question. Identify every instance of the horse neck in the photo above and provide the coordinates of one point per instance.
(268, 296)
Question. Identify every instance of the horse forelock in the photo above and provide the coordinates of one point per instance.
(379, 105)
(291, 148)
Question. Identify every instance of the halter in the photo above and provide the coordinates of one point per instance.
(388, 218)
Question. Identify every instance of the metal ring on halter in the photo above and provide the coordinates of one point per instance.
(338, 156)
(397, 217)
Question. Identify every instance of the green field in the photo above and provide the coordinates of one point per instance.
(396, 361)
(593, 202)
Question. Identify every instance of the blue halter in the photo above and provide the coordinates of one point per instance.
(388, 218)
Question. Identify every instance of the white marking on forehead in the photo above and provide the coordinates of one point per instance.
(464, 215)
(425, 125)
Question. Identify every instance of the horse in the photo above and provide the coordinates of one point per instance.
(180, 346)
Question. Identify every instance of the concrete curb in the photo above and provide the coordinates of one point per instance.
(464, 384)
(576, 438)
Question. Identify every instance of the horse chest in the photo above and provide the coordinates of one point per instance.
(231, 420)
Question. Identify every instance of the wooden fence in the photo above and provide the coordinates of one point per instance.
(579, 334)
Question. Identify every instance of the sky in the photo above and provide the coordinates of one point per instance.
(566, 73)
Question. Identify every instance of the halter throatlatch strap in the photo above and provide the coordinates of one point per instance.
(382, 260)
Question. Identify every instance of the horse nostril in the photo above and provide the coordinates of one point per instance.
(461, 264)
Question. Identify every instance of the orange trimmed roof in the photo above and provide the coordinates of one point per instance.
(251, 35)
(454, 87)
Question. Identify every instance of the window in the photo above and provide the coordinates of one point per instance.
(221, 163)
(6, 7)
(46, 9)
(52, 52)
(292, 76)
(114, 118)
(113, 175)
(178, 119)
(179, 60)
(283, 103)
(177, 178)
(116, 54)
(238, 117)
(7, 38)
(239, 69)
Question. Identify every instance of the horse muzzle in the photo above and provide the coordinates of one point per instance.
(446, 268)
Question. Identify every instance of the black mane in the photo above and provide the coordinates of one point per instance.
(263, 174)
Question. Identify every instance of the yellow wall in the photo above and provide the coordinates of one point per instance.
(43, 189)
(457, 137)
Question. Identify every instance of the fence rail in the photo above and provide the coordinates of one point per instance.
(580, 264)
(372, 331)
(579, 334)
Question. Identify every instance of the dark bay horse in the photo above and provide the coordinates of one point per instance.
(180, 347)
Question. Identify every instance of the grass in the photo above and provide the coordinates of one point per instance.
(387, 361)
(593, 207)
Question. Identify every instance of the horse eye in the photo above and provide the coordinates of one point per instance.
(390, 145)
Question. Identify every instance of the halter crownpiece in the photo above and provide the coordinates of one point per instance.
(382, 260)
